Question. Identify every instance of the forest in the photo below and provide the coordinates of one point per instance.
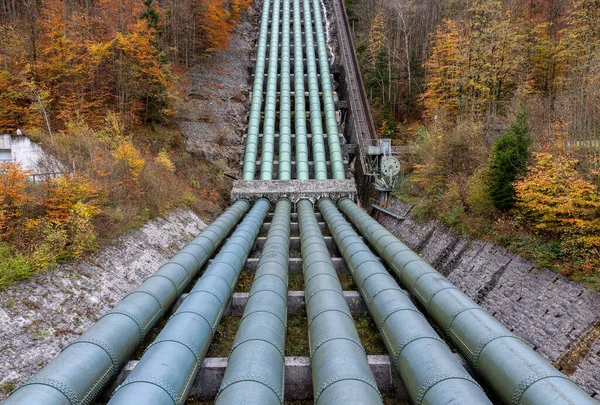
(500, 102)
(97, 82)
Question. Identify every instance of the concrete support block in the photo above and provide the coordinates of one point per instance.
(296, 303)
(298, 379)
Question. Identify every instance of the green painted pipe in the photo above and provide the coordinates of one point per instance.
(285, 117)
(340, 370)
(80, 372)
(430, 371)
(333, 133)
(302, 172)
(316, 124)
(166, 371)
(514, 372)
(249, 168)
(268, 141)
(255, 370)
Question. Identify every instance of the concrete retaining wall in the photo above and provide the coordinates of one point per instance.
(549, 311)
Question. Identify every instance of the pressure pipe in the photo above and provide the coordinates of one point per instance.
(285, 117)
(302, 172)
(249, 168)
(430, 371)
(340, 371)
(255, 370)
(80, 372)
(166, 371)
(514, 372)
(268, 141)
(333, 134)
(316, 124)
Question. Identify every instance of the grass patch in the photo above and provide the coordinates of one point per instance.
(347, 281)
(296, 339)
(244, 283)
(369, 335)
(224, 336)
(13, 267)
(7, 387)
(296, 282)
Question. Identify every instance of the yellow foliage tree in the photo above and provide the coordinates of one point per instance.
(560, 202)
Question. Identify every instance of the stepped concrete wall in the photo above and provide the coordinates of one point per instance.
(552, 313)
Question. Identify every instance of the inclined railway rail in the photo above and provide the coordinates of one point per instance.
(400, 290)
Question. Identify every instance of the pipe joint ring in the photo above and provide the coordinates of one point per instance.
(428, 303)
(333, 290)
(153, 295)
(178, 288)
(208, 292)
(427, 385)
(159, 382)
(532, 379)
(104, 346)
(254, 378)
(329, 339)
(341, 377)
(315, 316)
(267, 310)
(259, 337)
(205, 317)
(185, 343)
(409, 340)
(57, 385)
(456, 313)
(143, 328)
(370, 301)
(482, 344)
(393, 311)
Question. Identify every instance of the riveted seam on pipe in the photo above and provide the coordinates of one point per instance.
(202, 290)
(328, 310)
(131, 316)
(258, 338)
(396, 310)
(532, 379)
(429, 384)
(57, 385)
(343, 377)
(308, 298)
(428, 303)
(256, 379)
(189, 311)
(284, 299)
(153, 295)
(474, 358)
(267, 310)
(184, 343)
(410, 339)
(456, 313)
(104, 346)
(159, 382)
(329, 339)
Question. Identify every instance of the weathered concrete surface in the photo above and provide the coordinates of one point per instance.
(293, 189)
(549, 311)
(42, 315)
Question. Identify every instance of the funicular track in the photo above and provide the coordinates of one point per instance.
(154, 346)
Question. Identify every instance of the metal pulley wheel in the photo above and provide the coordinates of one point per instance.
(390, 166)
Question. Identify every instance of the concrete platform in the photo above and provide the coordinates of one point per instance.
(293, 189)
